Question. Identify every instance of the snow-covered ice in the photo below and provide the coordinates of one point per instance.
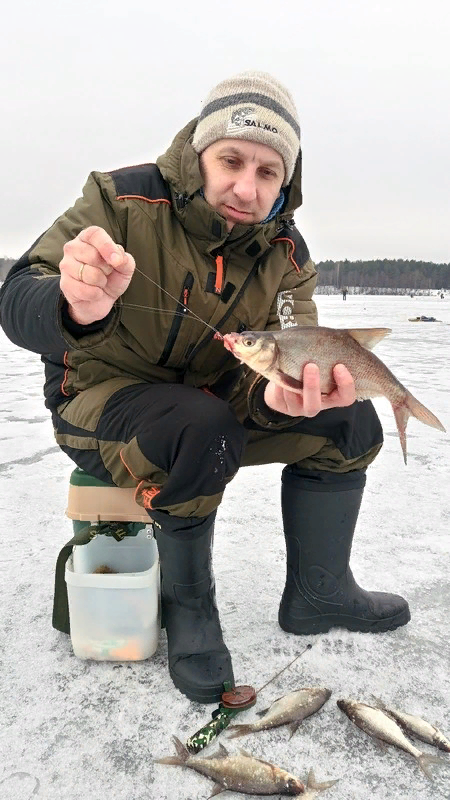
(82, 730)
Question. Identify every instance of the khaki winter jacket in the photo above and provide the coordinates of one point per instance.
(247, 280)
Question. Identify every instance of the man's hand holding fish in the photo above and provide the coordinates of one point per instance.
(311, 401)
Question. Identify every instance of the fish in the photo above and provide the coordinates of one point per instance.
(291, 709)
(280, 356)
(381, 726)
(237, 772)
(418, 727)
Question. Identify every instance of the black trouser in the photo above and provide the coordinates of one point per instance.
(179, 446)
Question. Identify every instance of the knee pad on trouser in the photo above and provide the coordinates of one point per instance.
(190, 456)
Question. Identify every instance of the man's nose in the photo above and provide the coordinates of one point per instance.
(245, 186)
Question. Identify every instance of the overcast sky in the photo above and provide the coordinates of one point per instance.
(100, 84)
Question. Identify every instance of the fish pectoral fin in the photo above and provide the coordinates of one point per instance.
(294, 726)
(368, 337)
(287, 382)
(246, 753)
(217, 790)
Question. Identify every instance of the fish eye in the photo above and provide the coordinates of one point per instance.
(248, 340)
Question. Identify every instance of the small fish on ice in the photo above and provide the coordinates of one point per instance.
(381, 726)
(418, 727)
(291, 709)
(240, 772)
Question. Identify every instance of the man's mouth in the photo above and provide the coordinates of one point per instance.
(235, 212)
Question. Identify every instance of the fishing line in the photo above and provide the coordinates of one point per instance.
(158, 310)
(308, 647)
(233, 701)
(177, 301)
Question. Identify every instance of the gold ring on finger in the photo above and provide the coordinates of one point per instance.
(80, 273)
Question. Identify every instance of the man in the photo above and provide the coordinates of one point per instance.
(142, 395)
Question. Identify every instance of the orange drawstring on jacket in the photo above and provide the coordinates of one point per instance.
(219, 275)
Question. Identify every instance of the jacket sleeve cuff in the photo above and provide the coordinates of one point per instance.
(260, 412)
(85, 337)
(75, 329)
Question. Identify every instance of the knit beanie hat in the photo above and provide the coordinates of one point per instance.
(253, 106)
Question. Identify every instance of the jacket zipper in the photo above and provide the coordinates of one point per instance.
(228, 313)
(182, 306)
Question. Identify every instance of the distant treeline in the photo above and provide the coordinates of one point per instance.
(380, 274)
(384, 273)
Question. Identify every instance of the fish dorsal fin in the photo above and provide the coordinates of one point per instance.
(368, 337)
(379, 703)
(223, 752)
(246, 753)
(261, 713)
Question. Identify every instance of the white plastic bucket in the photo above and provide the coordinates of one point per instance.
(114, 617)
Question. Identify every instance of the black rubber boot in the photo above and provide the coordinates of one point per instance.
(199, 661)
(320, 510)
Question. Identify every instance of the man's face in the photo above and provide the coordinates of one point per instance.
(242, 179)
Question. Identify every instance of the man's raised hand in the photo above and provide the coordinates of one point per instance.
(95, 271)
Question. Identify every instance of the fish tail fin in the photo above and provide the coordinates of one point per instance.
(239, 730)
(402, 415)
(181, 757)
(425, 760)
(412, 407)
(174, 760)
(182, 751)
(319, 787)
(423, 413)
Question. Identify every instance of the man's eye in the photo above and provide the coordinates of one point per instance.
(268, 173)
(230, 162)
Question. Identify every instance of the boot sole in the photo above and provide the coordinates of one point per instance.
(198, 694)
(324, 623)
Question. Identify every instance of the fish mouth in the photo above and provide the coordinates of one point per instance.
(229, 341)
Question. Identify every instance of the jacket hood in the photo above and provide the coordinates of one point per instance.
(180, 167)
